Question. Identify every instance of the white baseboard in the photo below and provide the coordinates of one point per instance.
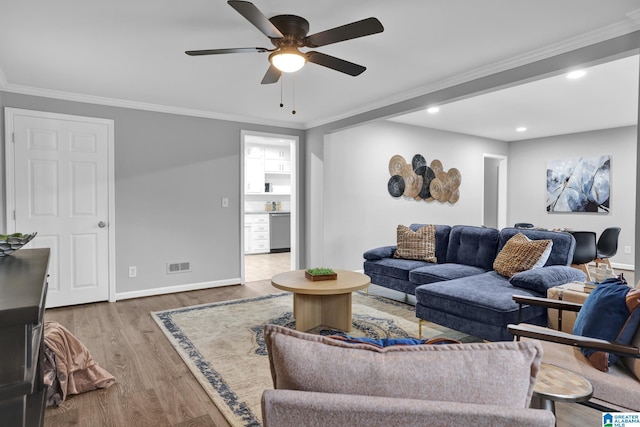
(619, 266)
(175, 289)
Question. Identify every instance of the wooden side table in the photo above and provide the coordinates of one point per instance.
(326, 302)
(570, 292)
(556, 384)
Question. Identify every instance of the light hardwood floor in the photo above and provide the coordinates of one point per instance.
(264, 266)
(153, 386)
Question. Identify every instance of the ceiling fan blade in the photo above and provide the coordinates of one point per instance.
(354, 30)
(272, 75)
(231, 50)
(335, 63)
(257, 18)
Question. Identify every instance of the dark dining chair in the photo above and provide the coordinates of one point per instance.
(586, 251)
(607, 246)
(523, 225)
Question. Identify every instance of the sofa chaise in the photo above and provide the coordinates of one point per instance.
(462, 291)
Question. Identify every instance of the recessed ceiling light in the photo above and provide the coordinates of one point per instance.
(433, 110)
(576, 74)
(521, 129)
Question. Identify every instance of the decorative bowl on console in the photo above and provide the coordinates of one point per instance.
(9, 243)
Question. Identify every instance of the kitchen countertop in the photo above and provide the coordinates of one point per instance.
(264, 212)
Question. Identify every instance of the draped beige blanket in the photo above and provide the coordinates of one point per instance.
(69, 368)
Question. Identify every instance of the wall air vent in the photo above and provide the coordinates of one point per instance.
(178, 267)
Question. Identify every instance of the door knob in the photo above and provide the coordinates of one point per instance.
(102, 224)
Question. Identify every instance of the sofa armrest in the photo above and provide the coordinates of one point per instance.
(380, 253)
(547, 302)
(541, 279)
(546, 334)
(293, 408)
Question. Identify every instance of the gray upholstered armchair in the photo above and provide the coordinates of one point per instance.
(294, 408)
(324, 382)
(619, 388)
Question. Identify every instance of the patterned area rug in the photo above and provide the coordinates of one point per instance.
(223, 343)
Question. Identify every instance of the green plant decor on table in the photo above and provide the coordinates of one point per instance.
(320, 274)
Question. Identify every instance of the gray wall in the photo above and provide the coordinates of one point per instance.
(359, 213)
(527, 183)
(315, 137)
(171, 172)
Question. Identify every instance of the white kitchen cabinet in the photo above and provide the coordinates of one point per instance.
(253, 175)
(277, 166)
(277, 159)
(261, 160)
(247, 235)
(257, 230)
(254, 151)
(276, 152)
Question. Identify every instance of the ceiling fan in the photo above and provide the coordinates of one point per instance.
(288, 33)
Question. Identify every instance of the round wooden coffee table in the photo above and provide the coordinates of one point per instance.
(556, 384)
(323, 302)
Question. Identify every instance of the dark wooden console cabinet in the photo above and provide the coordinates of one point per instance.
(23, 290)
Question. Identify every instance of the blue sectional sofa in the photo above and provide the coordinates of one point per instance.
(462, 291)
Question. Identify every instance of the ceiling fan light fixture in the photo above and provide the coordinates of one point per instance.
(288, 60)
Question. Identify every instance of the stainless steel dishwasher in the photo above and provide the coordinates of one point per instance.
(280, 231)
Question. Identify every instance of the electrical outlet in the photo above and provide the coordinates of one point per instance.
(133, 271)
(225, 202)
(627, 249)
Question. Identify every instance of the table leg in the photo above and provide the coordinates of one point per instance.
(548, 404)
(333, 311)
(539, 402)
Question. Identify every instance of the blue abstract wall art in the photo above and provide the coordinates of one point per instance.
(579, 184)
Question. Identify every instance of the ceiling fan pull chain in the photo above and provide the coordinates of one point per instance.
(281, 104)
(293, 77)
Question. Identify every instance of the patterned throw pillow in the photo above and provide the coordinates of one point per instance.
(521, 254)
(419, 245)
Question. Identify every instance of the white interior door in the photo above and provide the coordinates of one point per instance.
(60, 185)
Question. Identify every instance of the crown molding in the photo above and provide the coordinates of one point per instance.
(634, 16)
(123, 103)
(596, 36)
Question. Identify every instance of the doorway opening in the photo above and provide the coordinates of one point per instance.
(494, 198)
(269, 205)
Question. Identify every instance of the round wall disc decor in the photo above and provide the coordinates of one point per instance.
(423, 181)
(396, 186)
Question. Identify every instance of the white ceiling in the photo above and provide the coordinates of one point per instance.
(131, 53)
(606, 97)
